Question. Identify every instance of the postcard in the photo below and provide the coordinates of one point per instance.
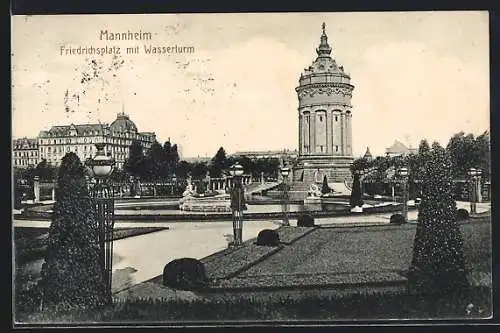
(187, 169)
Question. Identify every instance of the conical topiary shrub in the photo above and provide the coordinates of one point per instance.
(438, 260)
(325, 188)
(356, 199)
(71, 276)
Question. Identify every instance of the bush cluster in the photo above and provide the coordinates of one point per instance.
(462, 214)
(397, 219)
(185, 274)
(268, 237)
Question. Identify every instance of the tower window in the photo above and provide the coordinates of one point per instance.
(336, 148)
(321, 147)
(320, 118)
(336, 118)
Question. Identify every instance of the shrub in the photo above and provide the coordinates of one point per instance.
(438, 264)
(462, 214)
(397, 219)
(325, 188)
(71, 277)
(305, 220)
(356, 195)
(184, 274)
(268, 237)
(18, 193)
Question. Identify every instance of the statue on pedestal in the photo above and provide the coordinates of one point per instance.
(189, 191)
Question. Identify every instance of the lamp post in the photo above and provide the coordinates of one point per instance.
(174, 183)
(102, 193)
(362, 173)
(285, 171)
(403, 172)
(475, 180)
(237, 203)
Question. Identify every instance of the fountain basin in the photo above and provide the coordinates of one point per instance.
(214, 203)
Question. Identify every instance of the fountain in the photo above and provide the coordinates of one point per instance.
(313, 200)
(215, 201)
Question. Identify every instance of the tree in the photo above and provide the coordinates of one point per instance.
(183, 169)
(463, 153)
(135, 162)
(45, 171)
(438, 260)
(174, 158)
(423, 147)
(356, 196)
(325, 188)
(156, 161)
(71, 275)
(199, 170)
(218, 163)
(484, 154)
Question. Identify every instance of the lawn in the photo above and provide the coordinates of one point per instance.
(359, 255)
(322, 255)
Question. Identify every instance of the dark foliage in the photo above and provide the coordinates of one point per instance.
(218, 163)
(354, 306)
(305, 220)
(356, 199)
(397, 219)
(268, 237)
(325, 188)
(438, 260)
(462, 214)
(185, 274)
(18, 195)
(45, 171)
(71, 276)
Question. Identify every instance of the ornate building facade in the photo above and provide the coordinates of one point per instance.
(80, 139)
(25, 153)
(325, 116)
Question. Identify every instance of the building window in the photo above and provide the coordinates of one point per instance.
(320, 118)
(336, 118)
(321, 147)
(336, 148)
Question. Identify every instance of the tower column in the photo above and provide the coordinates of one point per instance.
(342, 134)
(349, 134)
(300, 133)
(329, 131)
(312, 133)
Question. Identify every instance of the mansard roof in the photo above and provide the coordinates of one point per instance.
(24, 143)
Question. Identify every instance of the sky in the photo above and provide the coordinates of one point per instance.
(416, 75)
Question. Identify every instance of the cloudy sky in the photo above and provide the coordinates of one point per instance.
(416, 75)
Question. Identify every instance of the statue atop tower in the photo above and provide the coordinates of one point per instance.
(325, 138)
